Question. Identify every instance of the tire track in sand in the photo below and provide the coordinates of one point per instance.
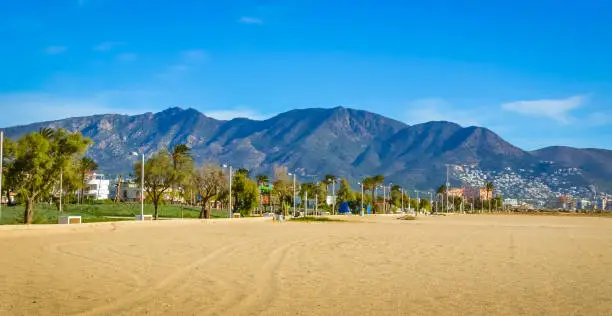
(136, 296)
(266, 286)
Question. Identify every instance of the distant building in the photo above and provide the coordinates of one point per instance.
(477, 193)
(563, 203)
(601, 204)
(97, 187)
(582, 204)
(511, 202)
(456, 192)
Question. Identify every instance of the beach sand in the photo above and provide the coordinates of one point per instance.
(377, 265)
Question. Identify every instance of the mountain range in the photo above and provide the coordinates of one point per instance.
(314, 142)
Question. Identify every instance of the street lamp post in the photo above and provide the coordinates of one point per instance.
(362, 213)
(402, 193)
(334, 197)
(230, 189)
(142, 176)
(294, 194)
(1, 159)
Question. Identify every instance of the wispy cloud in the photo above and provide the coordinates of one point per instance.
(54, 50)
(558, 110)
(250, 20)
(127, 57)
(237, 113)
(106, 46)
(188, 60)
(435, 109)
(194, 55)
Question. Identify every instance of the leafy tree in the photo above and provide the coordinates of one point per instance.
(86, 165)
(182, 164)
(243, 171)
(159, 177)
(246, 194)
(209, 182)
(345, 194)
(36, 161)
(283, 191)
(489, 187)
(262, 179)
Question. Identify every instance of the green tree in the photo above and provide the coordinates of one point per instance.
(209, 182)
(36, 161)
(182, 165)
(158, 178)
(246, 194)
(345, 194)
(489, 187)
(243, 171)
(262, 179)
(86, 165)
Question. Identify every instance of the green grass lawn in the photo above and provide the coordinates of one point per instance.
(48, 214)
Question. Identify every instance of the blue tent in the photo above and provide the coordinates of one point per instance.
(344, 208)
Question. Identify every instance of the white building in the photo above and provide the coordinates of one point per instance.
(97, 187)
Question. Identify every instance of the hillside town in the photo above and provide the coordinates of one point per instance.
(553, 189)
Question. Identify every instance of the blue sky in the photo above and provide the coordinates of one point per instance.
(539, 73)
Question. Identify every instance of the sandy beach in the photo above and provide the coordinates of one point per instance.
(463, 264)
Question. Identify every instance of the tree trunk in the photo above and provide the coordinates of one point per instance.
(205, 212)
(28, 215)
(202, 212)
(156, 213)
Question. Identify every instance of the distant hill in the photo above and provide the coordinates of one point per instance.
(341, 141)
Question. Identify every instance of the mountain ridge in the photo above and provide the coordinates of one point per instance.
(339, 140)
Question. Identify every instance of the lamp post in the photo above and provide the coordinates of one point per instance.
(362, 212)
(1, 159)
(230, 188)
(402, 193)
(61, 190)
(294, 195)
(142, 176)
(334, 197)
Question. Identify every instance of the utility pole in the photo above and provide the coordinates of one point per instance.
(418, 202)
(231, 213)
(1, 170)
(316, 212)
(447, 188)
(306, 203)
(334, 195)
(61, 189)
(294, 197)
(402, 192)
(142, 198)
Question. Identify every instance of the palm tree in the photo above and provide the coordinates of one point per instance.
(182, 164)
(442, 190)
(261, 179)
(46, 132)
(489, 187)
(86, 165)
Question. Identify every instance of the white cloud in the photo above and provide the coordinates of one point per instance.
(250, 20)
(106, 46)
(127, 56)
(237, 113)
(558, 110)
(435, 109)
(53, 50)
